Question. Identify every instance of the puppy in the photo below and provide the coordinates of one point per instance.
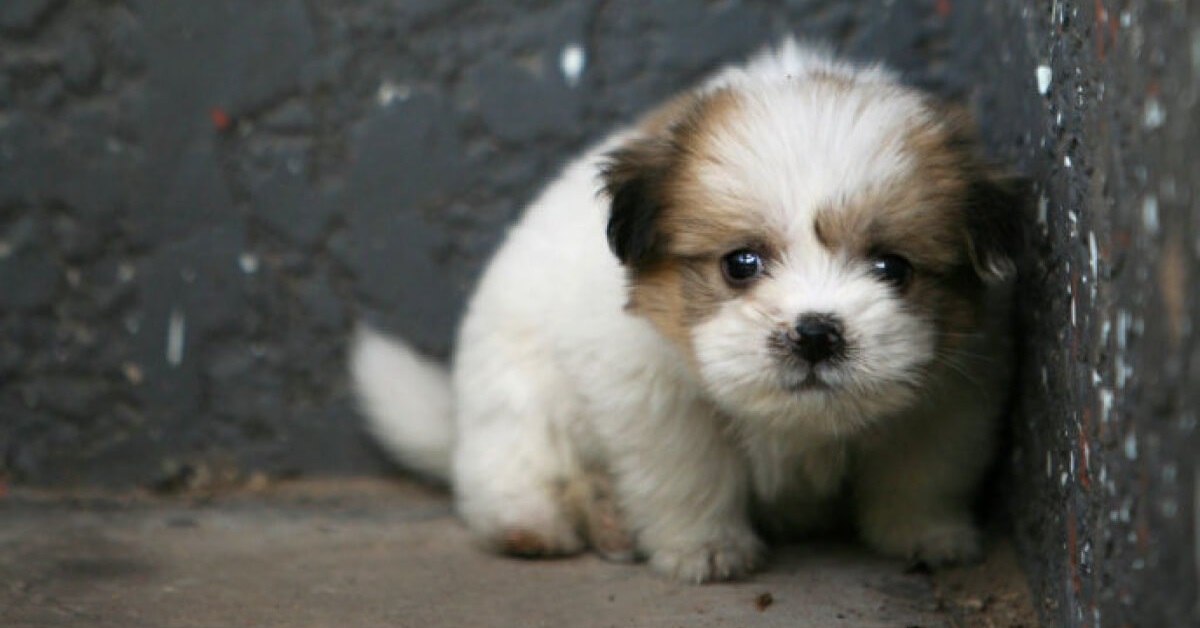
(785, 309)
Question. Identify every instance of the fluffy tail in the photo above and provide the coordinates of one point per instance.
(407, 401)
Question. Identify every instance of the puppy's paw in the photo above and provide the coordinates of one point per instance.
(730, 556)
(934, 542)
(532, 532)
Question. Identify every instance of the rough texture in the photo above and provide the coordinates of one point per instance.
(1098, 106)
(198, 199)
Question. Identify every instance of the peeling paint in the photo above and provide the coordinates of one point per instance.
(248, 262)
(572, 61)
(1150, 214)
(1043, 75)
(176, 329)
(1153, 114)
(391, 92)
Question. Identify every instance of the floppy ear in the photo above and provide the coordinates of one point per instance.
(995, 225)
(634, 176)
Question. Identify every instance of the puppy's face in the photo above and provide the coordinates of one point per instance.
(817, 249)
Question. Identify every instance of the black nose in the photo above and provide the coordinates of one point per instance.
(818, 337)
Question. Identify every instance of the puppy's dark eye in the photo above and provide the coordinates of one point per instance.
(892, 269)
(741, 266)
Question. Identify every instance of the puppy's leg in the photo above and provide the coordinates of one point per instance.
(684, 490)
(515, 469)
(914, 488)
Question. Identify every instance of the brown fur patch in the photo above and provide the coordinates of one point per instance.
(676, 281)
(925, 217)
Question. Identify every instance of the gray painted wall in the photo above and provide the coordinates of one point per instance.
(197, 199)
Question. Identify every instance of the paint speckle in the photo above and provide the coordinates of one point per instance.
(1106, 405)
(176, 328)
(1067, 161)
(133, 373)
(1150, 214)
(1042, 211)
(248, 262)
(390, 93)
(126, 272)
(1153, 114)
(1131, 446)
(1044, 76)
(572, 61)
(221, 120)
(1094, 254)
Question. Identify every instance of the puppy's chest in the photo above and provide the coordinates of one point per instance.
(798, 491)
(783, 471)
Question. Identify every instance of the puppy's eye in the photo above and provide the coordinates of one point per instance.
(741, 266)
(892, 269)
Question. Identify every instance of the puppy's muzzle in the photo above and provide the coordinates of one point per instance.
(818, 338)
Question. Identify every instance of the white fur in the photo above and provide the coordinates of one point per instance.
(407, 401)
(555, 382)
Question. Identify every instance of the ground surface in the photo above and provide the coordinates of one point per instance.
(372, 553)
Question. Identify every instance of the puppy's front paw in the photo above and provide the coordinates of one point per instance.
(935, 542)
(729, 556)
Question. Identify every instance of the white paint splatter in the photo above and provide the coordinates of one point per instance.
(1131, 446)
(1067, 161)
(248, 263)
(572, 61)
(1153, 114)
(1094, 254)
(1150, 214)
(1105, 330)
(1044, 76)
(390, 93)
(1122, 328)
(1042, 211)
(176, 328)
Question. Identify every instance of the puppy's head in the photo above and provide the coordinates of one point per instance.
(816, 246)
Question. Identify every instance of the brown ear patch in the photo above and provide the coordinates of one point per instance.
(951, 210)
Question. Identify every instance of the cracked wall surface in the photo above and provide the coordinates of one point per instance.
(199, 199)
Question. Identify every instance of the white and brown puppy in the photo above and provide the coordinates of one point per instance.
(805, 318)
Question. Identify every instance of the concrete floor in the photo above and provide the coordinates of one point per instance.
(383, 553)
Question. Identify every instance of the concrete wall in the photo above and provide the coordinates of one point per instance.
(197, 199)
(1097, 102)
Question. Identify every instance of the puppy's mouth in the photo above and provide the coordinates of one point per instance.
(805, 380)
